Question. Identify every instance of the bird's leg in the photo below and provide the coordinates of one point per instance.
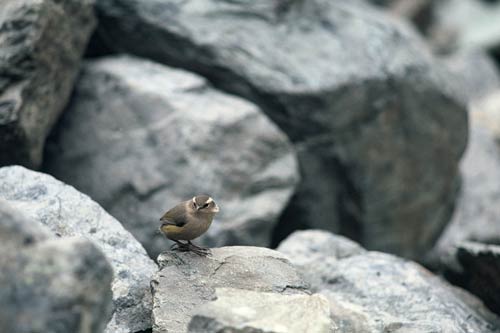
(180, 246)
(202, 251)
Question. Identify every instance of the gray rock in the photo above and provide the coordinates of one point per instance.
(246, 311)
(310, 247)
(356, 91)
(41, 43)
(50, 285)
(67, 212)
(470, 24)
(140, 137)
(186, 280)
(477, 213)
(374, 292)
(479, 272)
(476, 75)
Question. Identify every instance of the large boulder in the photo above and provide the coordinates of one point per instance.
(67, 212)
(48, 284)
(186, 281)
(246, 311)
(41, 43)
(375, 292)
(140, 137)
(355, 90)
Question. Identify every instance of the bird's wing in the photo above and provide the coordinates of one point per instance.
(175, 216)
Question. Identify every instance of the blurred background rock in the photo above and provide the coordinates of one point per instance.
(378, 120)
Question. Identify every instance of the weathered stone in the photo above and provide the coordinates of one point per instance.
(246, 311)
(186, 280)
(355, 90)
(374, 292)
(479, 272)
(41, 43)
(67, 212)
(50, 285)
(140, 137)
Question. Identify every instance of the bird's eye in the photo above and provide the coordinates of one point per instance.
(205, 206)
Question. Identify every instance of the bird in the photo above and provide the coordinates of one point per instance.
(189, 220)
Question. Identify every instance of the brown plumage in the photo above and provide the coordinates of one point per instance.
(189, 220)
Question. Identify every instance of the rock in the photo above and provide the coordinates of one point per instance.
(479, 271)
(476, 75)
(41, 43)
(376, 292)
(50, 285)
(186, 280)
(471, 24)
(237, 310)
(477, 214)
(356, 91)
(317, 246)
(140, 137)
(67, 212)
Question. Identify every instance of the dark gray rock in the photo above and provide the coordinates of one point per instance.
(186, 280)
(50, 285)
(356, 91)
(479, 272)
(67, 212)
(140, 137)
(245, 311)
(41, 43)
(374, 292)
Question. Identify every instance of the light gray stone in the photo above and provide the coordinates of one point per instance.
(246, 311)
(186, 280)
(140, 137)
(375, 292)
(50, 285)
(41, 43)
(357, 92)
(67, 212)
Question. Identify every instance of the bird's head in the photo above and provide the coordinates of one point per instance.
(204, 204)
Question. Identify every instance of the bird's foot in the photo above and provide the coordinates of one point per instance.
(178, 246)
(201, 251)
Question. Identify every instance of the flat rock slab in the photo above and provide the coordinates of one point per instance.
(41, 45)
(186, 280)
(245, 311)
(356, 91)
(140, 137)
(50, 284)
(375, 292)
(67, 212)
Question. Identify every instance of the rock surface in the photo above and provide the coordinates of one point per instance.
(67, 212)
(186, 281)
(376, 292)
(50, 285)
(479, 272)
(356, 91)
(237, 310)
(41, 43)
(477, 214)
(140, 137)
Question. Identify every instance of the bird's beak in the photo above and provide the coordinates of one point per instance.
(216, 208)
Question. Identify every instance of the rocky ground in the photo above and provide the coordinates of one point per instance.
(374, 124)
